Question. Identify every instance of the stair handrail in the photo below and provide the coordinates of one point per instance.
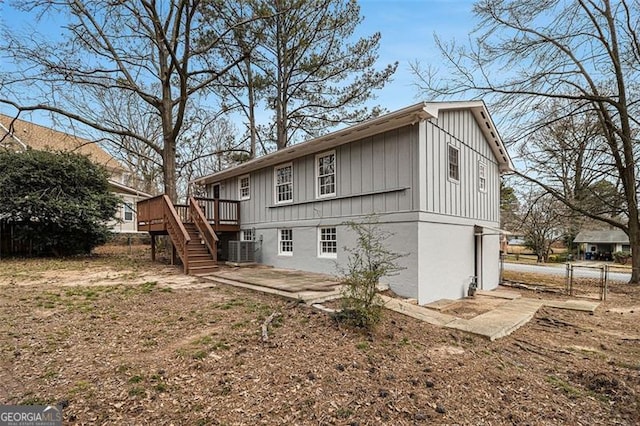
(182, 238)
(200, 220)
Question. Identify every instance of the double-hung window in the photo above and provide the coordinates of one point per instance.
(244, 187)
(327, 242)
(285, 242)
(283, 177)
(482, 176)
(326, 174)
(128, 212)
(246, 235)
(454, 163)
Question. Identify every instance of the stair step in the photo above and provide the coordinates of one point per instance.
(201, 262)
(201, 270)
(191, 253)
(205, 255)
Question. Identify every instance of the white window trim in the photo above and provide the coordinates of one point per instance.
(482, 165)
(275, 183)
(242, 234)
(335, 174)
(320, 253)
(452, 179)
(280, 252)
(124, 212)
(248, 196)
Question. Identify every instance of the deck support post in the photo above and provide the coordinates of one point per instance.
(153, 247)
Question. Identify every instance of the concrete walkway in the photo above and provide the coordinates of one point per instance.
(494, 324)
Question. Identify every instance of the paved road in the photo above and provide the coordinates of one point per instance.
(561, 270)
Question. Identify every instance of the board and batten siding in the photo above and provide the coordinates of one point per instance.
(375, 174)
(463, 198)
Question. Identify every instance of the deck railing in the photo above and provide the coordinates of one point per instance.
(206, 232)
(159, 214)
(222, 215)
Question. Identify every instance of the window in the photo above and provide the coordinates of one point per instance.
(326, 174)
(244, 187)
(285, 242)
(328, 242)
(128, 212)
(284, 183)
(246, 235)
(482, 176)
(454, 161)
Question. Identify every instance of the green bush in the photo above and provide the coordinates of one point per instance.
(622, 257)
(368, 262)
(57, 203)
(558, 258)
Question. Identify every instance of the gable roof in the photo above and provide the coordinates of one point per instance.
(610, 236)
(26, 134)
(405, 116)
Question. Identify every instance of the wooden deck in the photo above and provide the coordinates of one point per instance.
(222, 215)
(192, 228)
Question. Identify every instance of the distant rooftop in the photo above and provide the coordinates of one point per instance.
(26, 134)
(610, 236)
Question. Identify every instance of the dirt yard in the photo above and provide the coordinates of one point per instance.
(118, 340)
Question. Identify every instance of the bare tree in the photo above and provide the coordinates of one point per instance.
(142, 48)
(586, 52)
(542, 224)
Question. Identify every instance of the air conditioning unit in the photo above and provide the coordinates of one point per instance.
(242, 251)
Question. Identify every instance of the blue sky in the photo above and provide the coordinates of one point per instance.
(407, 28)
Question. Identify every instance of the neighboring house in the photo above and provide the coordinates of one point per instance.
(431, 173)
(599, 245)
(19, 135)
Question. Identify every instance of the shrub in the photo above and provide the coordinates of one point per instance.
(622, 257)
(367, 263)
(56, 203)
(558, 258)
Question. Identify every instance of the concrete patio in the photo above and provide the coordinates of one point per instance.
(490, 314)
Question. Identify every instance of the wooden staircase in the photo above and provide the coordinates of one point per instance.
(200, 260)
(194, 239)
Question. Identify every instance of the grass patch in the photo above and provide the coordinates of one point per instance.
(564, 386)
(81, 388)
(33, 400)
(136, 379)
(201, 347)
(363, 346)
(137, 391)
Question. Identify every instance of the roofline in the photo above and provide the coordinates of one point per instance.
(406, 116)
(84, 141)
(129, 189)
(14, 137)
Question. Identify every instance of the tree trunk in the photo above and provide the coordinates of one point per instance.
(281, 102)
(634, 242)
(169, 170)
(253, 134)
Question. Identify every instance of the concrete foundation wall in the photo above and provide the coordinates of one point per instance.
(447, 259)
(305, 249)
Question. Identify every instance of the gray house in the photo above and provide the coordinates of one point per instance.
(431, 173)
(600, 244)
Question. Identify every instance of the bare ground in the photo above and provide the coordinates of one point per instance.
(118, 340)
